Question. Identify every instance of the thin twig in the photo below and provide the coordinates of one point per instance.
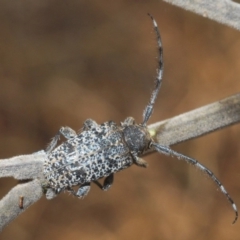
(24, 167)
(222, 11)
(29, 193)
(171, 131)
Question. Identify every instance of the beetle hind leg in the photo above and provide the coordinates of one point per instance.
(50, 193)
(107, 182)
(67, 132)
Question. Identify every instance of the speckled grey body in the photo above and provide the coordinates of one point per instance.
(97, 151)
(91, 155)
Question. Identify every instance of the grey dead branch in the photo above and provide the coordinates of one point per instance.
(222, 11)
(168, 132)
(178, 129)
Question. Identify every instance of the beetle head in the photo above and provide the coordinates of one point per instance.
(137, 138)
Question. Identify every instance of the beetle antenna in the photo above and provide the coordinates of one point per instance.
(158, 82)
(169, 152)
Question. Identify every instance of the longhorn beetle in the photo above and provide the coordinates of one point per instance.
(99, 151)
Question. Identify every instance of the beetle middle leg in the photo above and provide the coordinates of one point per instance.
(108, 181)
(82, 190)
(67, 132)
(89, 124)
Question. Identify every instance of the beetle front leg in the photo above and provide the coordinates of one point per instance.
(107, 182)
(140, 162)
(67, 132)
(128, 121)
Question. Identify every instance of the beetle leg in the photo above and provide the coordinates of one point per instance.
(83, 190)
(112, 125)
(67, 132)
(107, 182)
(140, 162)
(50, 194)
(98, 184)
(89, 124)
(128, 121)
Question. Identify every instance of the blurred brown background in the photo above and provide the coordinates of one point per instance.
(64, 61)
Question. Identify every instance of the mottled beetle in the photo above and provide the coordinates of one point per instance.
(99, 151)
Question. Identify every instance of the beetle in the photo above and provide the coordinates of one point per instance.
(99, 151)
